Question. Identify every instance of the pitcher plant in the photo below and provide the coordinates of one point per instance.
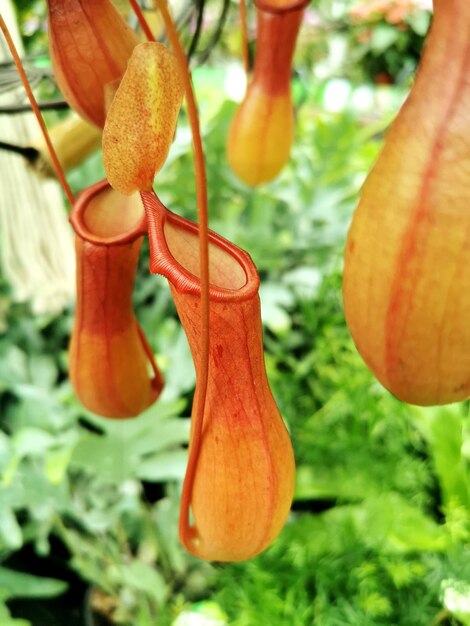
(240, 477)
(262, 131)
(406, 282)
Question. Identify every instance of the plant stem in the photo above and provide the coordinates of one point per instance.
(142, 21)
(186, 532)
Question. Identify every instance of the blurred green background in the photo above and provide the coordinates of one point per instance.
(380, 527)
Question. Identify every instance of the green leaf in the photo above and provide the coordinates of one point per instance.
(5, 616)
(57, 462)
(105, 456)
(383, 36)
(443, 428)
(274, 301)
(125, 429)
(32, 441)
(10, 531)
(5, 452)
(419, 21)
(142, 577)
(335, 481)
(391, 524)
(21, 585)
(13, 366)
(169, 466)
(159, 437)
(304, 281)
(122, 455)
(43, 371)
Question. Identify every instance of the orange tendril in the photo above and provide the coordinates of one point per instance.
(244, 36)
(142, 21)
(186, 532)
(34, 105)
(157, 379)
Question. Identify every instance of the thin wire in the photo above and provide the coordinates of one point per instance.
(50, 105)
(37, 112)
(204, 54)
(9, 76)
(183, 20)
(198, 29)
(27, 152)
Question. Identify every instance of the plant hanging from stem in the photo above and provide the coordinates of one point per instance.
(406, 279)
(262, 131)
(240, 476)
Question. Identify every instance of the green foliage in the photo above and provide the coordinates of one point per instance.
(71, 474)
(378, 42)
(394, 479)
(384, 534)
(380, 532)
(27, 586)
(19, 585)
